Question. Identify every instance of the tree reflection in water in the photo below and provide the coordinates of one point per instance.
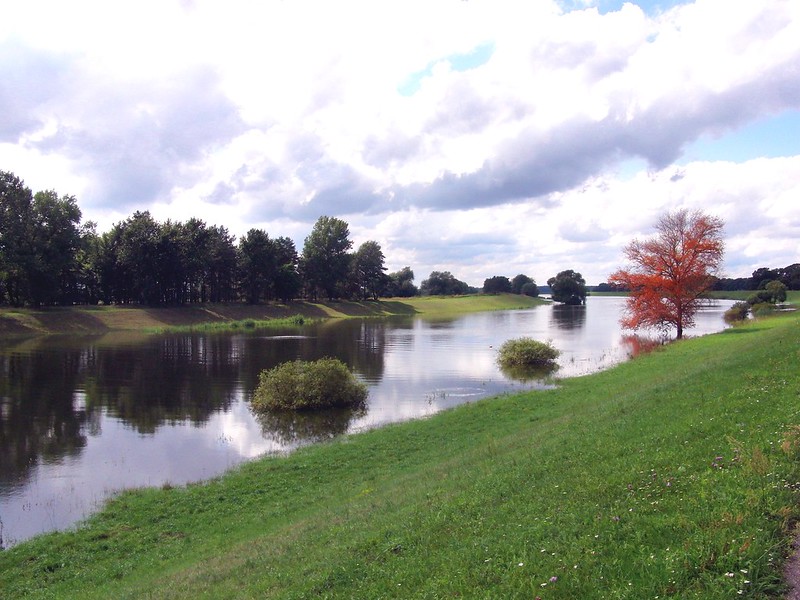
(566, 316)
(532, 374)
(636, 345)
(291, 428)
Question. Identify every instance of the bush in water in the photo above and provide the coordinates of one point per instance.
(526, 352)
(736, 313)
(304, 385)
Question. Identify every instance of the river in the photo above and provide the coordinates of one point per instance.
(82, 418)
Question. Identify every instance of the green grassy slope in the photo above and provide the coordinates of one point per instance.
(100, 319)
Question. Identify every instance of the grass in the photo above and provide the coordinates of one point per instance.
(213, 317)
(227, 326)
(526, 352)
(309, 385)
(662, 477)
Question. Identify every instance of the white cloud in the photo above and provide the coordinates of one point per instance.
(270, 114)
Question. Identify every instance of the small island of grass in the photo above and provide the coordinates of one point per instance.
(309, 385)
(527, 352)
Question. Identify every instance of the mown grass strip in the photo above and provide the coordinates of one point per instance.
(232, 326)
(662, 477)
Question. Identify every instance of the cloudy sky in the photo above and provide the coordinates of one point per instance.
(482, 137)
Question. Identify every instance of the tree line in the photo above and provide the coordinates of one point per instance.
(49, 257)
(789, 276)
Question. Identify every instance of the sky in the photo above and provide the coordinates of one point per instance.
(480, 137)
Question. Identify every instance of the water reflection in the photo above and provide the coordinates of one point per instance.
(82, 417)
(39, 420)
(289, 428)
(566, 316)
(540, 373)
(636, 345)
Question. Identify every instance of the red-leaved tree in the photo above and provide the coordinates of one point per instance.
(670, 273)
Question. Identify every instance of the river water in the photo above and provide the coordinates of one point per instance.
(82, 418)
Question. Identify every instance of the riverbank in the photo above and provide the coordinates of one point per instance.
(671, 475)
(102, 319)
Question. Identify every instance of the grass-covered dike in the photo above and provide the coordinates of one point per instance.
(235, 316)
(673, 476)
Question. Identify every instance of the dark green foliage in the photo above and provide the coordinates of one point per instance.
(530, 289)
(526, 352)
(497, 285)
(773, 292)
(777, 290)
(368, 271)
(568, 287)
(519, 282)
(39, 242)
(304, 385)
(737, 313)
(326, 258)
(257, 265)
(443, 284)
(401, 284)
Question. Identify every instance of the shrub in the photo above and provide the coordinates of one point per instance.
(530, 289)
(762, 309)
(737, 312)
(526, 352)
(305, 385)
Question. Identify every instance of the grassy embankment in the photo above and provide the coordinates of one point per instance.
(662, 477)
(100, 319)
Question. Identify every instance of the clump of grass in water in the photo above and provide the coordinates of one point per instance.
(304, 385)
(527, 352)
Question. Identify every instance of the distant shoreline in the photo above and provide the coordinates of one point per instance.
(102, 319)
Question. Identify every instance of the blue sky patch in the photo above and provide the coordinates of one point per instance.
(771, 137)
(650, 7)
(458, 62)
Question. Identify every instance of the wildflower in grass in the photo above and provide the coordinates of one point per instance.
(553, 579)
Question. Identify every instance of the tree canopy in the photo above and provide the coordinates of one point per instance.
(443, 283)
(40, 236)
(497, 285)
(369, 274)
(568, 287)
(401, 284)
(325, 261)
(670, 273)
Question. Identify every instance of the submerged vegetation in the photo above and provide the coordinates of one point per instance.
(672, 475)
(526, 352)
(308, 385)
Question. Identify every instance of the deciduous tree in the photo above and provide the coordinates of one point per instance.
(519, 281)
(401, 284)
(568, 287)
(443, 284)
(368, 270)
(498, 284)
(326, 258)
(670, 273)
